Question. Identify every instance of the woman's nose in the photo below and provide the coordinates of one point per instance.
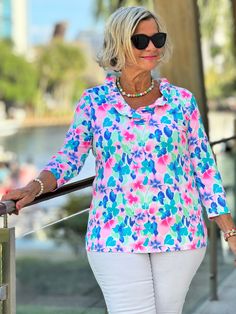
(150, 46)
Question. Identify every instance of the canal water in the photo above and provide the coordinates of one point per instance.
(39, 144)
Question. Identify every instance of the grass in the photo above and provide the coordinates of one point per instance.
(46, 277)
(57, 287)
(30, 309)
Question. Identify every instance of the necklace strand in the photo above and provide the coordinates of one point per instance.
(134, 95)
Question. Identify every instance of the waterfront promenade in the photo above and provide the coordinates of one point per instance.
(63, 120)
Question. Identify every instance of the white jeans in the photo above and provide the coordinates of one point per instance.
(143, 283)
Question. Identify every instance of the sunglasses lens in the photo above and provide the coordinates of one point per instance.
(159, 40)
(140, 41)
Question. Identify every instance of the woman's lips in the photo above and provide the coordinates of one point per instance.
(149, 57)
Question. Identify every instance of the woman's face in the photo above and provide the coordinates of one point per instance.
(147, 59)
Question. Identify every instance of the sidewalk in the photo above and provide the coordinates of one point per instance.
(227, 298)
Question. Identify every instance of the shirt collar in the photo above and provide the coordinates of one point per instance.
(123, 108)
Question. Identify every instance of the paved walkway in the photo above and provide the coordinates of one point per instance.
(227, 298)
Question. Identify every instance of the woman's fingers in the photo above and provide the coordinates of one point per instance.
(28, 198)
(22, 197)
(13, 195)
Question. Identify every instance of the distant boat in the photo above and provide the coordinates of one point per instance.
(9, 126)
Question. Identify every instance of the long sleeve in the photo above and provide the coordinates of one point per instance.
(207, 176)
(68, 161)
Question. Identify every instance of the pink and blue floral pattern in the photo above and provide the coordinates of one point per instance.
(155, 170)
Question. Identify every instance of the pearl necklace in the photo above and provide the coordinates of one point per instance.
(134, 95)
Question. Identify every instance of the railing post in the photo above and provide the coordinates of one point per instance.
(8, 270)
(234, 150)
(213, 258)
(213, 262)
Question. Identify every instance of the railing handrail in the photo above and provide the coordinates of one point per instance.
(66, 189)
(223, 140)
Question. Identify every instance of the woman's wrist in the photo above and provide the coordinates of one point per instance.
(40, 182)
(35, 187)
(229, 233)
(225, 222)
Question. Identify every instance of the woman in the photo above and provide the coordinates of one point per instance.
(154, 173)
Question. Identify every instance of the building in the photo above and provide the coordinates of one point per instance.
(5, 19)
(13, 23)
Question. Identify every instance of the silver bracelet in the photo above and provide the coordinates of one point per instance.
(41, 186)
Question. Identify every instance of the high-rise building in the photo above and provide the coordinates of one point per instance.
(5, 19)
(13, 23)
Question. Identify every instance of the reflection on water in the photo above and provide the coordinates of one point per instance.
(40, 144)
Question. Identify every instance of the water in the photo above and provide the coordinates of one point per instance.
(39, 144)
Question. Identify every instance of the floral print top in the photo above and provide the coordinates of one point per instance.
(155, 170)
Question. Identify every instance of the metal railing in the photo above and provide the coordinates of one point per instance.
(7, 271)
(7, 244)
(213, 241)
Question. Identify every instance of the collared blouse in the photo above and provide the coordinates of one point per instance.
(155, 170)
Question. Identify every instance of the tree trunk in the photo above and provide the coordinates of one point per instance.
(233, 3)
(185, 67)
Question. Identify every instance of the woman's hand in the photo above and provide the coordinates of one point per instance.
(22, 196)
(232, 245)
(27, 194)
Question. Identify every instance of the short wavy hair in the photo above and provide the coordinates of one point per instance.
(119, 28)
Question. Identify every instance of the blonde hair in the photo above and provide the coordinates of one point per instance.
(119, 28)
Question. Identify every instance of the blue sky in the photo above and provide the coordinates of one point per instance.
(43, 14)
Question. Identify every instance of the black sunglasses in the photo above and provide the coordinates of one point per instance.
(141, 41)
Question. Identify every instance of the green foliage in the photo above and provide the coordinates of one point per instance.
(58, 71)
(209, 13)
(59, 62)
(216, 24)
(215, 50)
(220, 85)
(79, 86)
(72, 230)
(53, 277)
(103, 8)
(18, 78)
(61, 67)
(46, 281)
(32, 309)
